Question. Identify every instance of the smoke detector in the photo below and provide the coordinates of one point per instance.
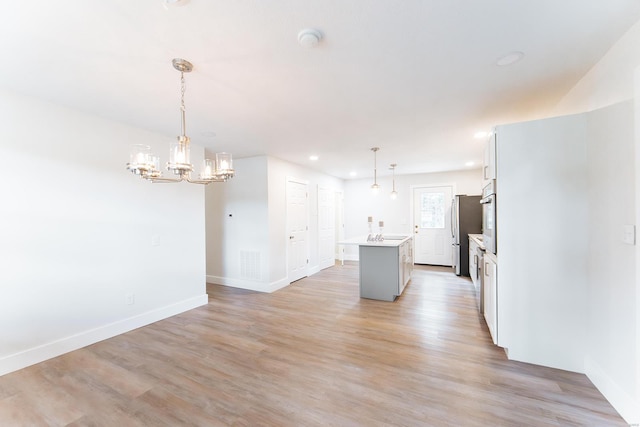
(309, 38)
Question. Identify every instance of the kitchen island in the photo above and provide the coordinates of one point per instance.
(385, 266)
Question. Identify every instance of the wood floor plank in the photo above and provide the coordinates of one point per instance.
(312, 354)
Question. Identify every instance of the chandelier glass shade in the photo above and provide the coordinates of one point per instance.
(144, 163)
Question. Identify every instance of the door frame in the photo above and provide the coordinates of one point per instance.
(412, 211)
(286, 231)
(331, 195)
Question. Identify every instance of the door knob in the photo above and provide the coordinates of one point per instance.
(290, 237)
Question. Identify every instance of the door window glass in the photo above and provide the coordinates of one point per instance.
(432, 210)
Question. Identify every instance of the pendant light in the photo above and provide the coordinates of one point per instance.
(375, 187)
(143, 163)
(394, 193)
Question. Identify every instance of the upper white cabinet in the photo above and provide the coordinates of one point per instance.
(489, 169)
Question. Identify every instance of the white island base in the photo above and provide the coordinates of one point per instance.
(385, 267)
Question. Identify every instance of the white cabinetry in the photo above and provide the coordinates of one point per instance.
(489, 169)
(542, 216)
(491, 294)
(405, 260)
(473, 262)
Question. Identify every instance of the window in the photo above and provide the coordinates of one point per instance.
(432, 210)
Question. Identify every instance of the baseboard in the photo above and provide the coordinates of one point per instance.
(625, 404)
(250, 285)
(313, 270)
(59, 347)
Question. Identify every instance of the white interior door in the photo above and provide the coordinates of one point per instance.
(326, 227)
(339, 225)
(432, 225)
(297, 229)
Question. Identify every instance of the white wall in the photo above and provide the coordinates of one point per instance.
(613, 341)
(361, 203)
(76, 234)
(279, 171)
(611, 354)
(610, 81)
(256, 199)
(237, 227)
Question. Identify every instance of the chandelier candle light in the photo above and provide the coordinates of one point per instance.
(143, 163)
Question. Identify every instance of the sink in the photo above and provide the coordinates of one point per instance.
(394, 237)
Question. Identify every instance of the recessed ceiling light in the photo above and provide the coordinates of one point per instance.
(309, 37)
(510, 58)
(481, 134)
(174, 3)
(313, 158)
(469, 164)
(353, 173)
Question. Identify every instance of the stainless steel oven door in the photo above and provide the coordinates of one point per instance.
(489, 223)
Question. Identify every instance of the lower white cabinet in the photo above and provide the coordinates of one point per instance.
(491, 294)
(473, 263)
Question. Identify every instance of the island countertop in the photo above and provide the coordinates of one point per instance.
(390, 240)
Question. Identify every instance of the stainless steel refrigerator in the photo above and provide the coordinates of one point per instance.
(466, 218)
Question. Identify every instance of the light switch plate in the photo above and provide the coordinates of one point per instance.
(629, 236)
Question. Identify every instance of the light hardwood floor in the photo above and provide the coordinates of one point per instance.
(312, 354)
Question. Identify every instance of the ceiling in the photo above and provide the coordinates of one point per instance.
(416, 78)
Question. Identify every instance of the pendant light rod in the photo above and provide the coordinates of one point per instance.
(375, 185)
(394, 193)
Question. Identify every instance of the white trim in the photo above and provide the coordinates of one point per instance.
(250, 285)
(351, 257)
(328, 263)
(412, 212)
(627, 407)
(56, 348)
(304, 182)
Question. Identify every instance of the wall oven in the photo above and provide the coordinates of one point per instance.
(489, 217)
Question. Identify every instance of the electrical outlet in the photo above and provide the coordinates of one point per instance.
(130, 299)
(629, 234)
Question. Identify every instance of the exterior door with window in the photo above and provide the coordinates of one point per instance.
(432, 225)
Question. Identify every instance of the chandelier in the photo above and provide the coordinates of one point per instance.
(147, 165)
